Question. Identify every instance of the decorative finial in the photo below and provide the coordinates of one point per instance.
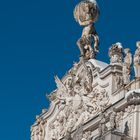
(127, 66)
(116, 53)
(137, 60)
(86, 14)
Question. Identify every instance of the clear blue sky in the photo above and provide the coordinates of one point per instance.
(37, 41)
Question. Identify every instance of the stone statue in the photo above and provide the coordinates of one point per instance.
(127, 66)
(116, 53)
(118, 81)
(61, 88)
(86, 13)
(103, 99)
(126, 129)
(112, 120)
(102, 125)
(89, 38)
(40, 135)
(137, 60)
(88, 79)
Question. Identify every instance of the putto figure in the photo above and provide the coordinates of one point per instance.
(86, 13)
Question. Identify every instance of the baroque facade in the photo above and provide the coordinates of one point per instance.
(94, 100)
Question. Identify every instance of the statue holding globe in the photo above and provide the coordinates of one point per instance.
(86, 14)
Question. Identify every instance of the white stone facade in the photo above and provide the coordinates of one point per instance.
(91, 96)
(94, 100)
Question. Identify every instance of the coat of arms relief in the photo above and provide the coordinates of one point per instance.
(79, 100)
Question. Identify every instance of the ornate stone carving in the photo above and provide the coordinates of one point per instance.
(129, 110)
(38, 131)
(61, 88)
(116, 53)
(102, 125)
(133, 97)
(77, 103)
(86, 136)
(68, 136)
(79, 133)
(119, 117)
(118, 81)
(33, 132)
(88, 39)
(124, 120)
(137, 60)
(112, 120)
(126, 129)
(127, 66)
(44, 110)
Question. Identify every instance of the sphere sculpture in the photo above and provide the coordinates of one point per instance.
(86, 12)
